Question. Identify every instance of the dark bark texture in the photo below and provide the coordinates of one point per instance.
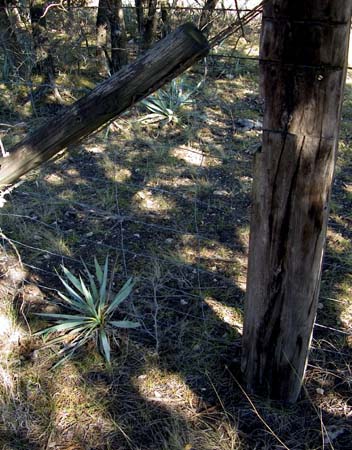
(111, 17)
(139, 4)
(150, 24)
(205, 22)
(119, 56)
(165, 17)
(14, 60)
(102, 26)
(44, 59)
(303, 67)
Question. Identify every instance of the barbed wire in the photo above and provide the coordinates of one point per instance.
(117, 214)
(132, 7)
(145, 224)
(96, 243)
(170, 291)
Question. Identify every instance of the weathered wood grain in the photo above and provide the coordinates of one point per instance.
(303, 53)
(167, 59)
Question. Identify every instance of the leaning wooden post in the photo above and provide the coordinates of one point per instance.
(303, 63)
(167, 59)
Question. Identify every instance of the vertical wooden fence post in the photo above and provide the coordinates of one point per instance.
(303, 66)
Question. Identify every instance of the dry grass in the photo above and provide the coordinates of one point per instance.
(172, 204)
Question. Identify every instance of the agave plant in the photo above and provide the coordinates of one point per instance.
(92, 307)
(166, 105)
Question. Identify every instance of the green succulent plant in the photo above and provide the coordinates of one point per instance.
(92, 306)
(167, 105)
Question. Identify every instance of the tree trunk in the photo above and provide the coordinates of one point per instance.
(165, 17)
(139, 4)
(44, 60)
(9, 43)
(119, 57)
(303, 66)
(44, 64)
(23, 37)
(102, 25)
(167, 59)
(19, 21)
(150, 24)
(147, 21)
(205, 17)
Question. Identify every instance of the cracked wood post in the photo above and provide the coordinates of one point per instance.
(167, 59)
(303, 67)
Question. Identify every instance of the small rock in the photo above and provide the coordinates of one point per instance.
(248, 124)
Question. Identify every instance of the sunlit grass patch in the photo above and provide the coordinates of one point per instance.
(338, 242)
(149, 201)
(163, 387)
(78, 410)
(227, 314)
(119, 174)
(209, 254)
(195, 157)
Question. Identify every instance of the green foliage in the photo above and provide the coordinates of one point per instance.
(92, 307)
(167, 106)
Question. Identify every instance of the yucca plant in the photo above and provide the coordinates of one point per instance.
(92, 307)
(166, 105)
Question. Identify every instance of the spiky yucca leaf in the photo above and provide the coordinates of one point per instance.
(95, 311)
(120, 296)
(105, 344)
(103, 285)
(166, 105)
